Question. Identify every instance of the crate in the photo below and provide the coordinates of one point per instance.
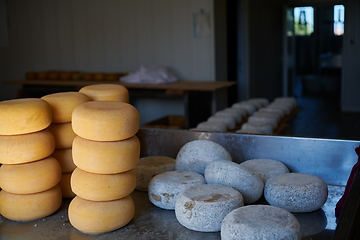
(170, 122)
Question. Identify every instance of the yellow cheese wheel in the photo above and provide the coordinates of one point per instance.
(64, 156)
(63, 104)
(102, 187)
(63, 134)
(24, 115)
(33, 177)
(106, 157)
(100, 217)
(25, 148)
(65, 186)
(105, 120)
(106, 92)
(28, 207)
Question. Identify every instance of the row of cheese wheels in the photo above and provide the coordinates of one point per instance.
(30, 138)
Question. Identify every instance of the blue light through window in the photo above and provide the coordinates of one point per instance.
(339, 18)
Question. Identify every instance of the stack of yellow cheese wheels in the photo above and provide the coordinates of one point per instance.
(62, 105)
(105, 152)
(106, 92)
(29, 176)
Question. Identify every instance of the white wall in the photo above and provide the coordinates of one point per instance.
(107, 36)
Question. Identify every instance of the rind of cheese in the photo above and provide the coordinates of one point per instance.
(65, 186)
(296, 192)
(105, 120)
(100, 217)
(232, 174)
(260, 222)
(28, 178)
(148, 167)
(164, 187)
(203, 207)
(28, 207)
(64, 156)
(106, 92)
(24, 115)
(63, 104)
(102, 187)
(265, 168)
(25, 148)
(196, 155)
(63, 134)
(106, 157)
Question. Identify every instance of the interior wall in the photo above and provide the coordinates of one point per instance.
(108, 36)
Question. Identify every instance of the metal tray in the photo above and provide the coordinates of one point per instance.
(329, 159)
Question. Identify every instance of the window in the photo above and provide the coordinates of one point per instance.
(304, 21)
(339, 17)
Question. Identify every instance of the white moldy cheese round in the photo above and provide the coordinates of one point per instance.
(149, 167)
(24, 115)
(232, 174)
(260, 222)
(203, 207)
(26, 148)
(265, 168)
(106, 157)
(106, 92)
(196, 155)
(63, 104)
(164, 187)
(296, 192)
(105, 120)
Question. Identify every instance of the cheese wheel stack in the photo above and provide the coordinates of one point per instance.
(105, 152)
(29, 176)
(62, 105)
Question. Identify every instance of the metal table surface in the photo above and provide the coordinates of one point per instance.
(329, 159)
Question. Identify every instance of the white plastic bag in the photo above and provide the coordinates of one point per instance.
(150, 75)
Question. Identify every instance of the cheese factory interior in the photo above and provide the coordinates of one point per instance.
(222, 52)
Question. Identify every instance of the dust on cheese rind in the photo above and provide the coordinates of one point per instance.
(164, 187)
(24, 115)
(296, 192)
(28, 207)
(260, 222)
(105, 120)
(32, 177)
(196, 155)
(15, 149)
(64, 156)
(106, 157)
(63, 104)
(148, 167)
(265, 168)
(100, 217)
(106, 92)
(63, 134)
(232, 174)
(102, 187)
(203, 207)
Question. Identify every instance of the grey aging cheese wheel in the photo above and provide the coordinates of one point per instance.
(164, 187)
(232, 174)
(265, 168)
(196, 155)
(296, 192)
(149, 167)
(203, 207)
(260, 222)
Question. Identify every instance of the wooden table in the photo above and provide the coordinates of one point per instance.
(198, 96)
